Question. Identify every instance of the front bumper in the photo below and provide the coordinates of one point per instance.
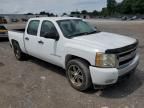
(107, 76)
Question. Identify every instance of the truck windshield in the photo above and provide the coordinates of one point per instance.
(75, 27)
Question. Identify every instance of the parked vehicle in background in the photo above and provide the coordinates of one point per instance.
(3, 20)
(24, 19)
(124, 18)
(3, 31)
(90, 57)
(14, 20)
(134, 18)
(142, 18)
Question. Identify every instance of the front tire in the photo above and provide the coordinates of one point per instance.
(78, 74)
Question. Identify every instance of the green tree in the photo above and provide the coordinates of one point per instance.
(84, 12)
(138, 7)
(29, 14)
(75, 12)
(43, 13)
(132, 6)
(104, 12)
(127, 6)
(64, 14)
(119, 8)
(95, 12)
(46, 13)
(111, 6)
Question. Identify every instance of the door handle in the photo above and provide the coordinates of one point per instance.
(40, 42)
(26, 38)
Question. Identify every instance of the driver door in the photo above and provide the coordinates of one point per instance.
(47, 46)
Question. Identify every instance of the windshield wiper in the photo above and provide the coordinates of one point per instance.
(92, 32)
(79, 34)
(84, 33)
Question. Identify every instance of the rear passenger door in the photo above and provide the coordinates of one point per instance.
(31, 38)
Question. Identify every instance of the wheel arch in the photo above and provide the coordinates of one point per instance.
(13, 41)
(71, 57)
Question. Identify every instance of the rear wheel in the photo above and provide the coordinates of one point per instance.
(18, 53)
(78, 74)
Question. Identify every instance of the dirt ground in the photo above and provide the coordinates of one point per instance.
(37, 84)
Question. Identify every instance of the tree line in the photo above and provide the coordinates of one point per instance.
(116, 8)
(113, 8)
(125, 7)
(42, 13)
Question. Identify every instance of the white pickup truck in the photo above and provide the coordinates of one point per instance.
(90, 57)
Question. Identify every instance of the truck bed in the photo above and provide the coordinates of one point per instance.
(18, 35)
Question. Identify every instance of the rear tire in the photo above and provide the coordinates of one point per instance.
(78, 74)
(18, 53)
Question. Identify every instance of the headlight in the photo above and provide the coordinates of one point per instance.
(105, 60)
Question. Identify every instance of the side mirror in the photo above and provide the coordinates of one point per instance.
(52, 35)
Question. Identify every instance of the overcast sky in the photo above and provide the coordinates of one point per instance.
(55, 6)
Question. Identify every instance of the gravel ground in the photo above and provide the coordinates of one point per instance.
(37, 84)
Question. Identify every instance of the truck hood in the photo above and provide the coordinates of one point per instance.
(103, 41)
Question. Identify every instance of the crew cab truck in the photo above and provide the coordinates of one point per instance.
(90, 57)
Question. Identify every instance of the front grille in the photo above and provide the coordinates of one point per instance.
(125, 55)
(126, 59)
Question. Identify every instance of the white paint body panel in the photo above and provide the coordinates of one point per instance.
(84, 47)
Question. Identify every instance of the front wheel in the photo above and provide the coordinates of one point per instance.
(78, 74)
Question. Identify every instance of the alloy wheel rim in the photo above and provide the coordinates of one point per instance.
(75, 75)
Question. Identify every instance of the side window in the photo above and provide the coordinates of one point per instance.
(33, 27)
(47, 27)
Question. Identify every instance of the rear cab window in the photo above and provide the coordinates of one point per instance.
(33, 27)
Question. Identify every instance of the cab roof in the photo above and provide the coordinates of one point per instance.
(53, 18)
